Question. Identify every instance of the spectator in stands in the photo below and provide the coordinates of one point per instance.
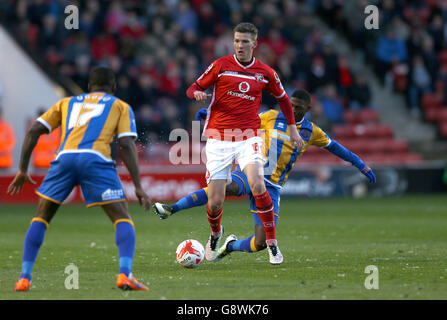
(359, 93)
(420, 83)
(430, 57)
(124, 89)
(441, 84)
(186, 17)
(390, 50)
(160, 44)
(438, 32)
(304, 59)
(344, 75)
(49, 35)
(317, 75)
(318, 116)
(276, 43)
(151, 120)
(103, 45)
(332, 107)
(7, 142)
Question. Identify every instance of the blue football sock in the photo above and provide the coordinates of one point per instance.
(33, 240)
(197, 198)
(243, 245)
(125, 240)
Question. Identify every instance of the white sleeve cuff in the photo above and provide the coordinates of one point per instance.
(282, 95)
(46, 124)
(128, 134)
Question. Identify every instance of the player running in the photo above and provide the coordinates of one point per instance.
(89, 123)
(231, 127)
(281, 156)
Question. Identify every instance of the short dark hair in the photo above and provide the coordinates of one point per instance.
(302, 95)
(247, 27)
(102, 77)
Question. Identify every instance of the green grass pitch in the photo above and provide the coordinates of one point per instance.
(326, 243)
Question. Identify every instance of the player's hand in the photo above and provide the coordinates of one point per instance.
(369, 174)
(201, 96)
(295, 138)
(143, 198)
(201, 114)
(17, 184)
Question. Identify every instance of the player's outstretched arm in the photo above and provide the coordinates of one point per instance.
(29, 143)
(130, 159)
(340, 151)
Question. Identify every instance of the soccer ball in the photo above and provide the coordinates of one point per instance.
(190, 253)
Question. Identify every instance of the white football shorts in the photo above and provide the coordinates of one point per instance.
(221, 155)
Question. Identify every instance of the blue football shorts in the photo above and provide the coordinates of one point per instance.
(98, 179)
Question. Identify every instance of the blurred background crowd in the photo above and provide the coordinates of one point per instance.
(159, 48)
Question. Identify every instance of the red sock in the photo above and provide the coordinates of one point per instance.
(264, 207)
(214, 218)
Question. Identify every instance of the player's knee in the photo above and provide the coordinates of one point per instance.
(258, 187)
(215, 205)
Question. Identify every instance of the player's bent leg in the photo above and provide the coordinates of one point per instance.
(163, 210)
(238, 187)
(195, 199)
(34, 238)
(253, 243)
(125, 241)
(264, 204)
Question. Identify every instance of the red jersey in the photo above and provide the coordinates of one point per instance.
(236, 96)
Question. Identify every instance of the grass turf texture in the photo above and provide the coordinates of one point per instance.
(326, 243)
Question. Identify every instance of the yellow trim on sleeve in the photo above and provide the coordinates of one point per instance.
(123, 220)
(40, 220)
(206, 190)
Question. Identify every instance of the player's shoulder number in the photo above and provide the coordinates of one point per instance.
(82, 112)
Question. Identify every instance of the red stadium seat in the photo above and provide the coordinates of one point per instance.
(443, 57)
(442, 114)
(430, 101)
(443, 129)
(382, 130)
(361, 130)
(394, 146)
(368, 116)
(313, 150)
(378, 145)
(431, 114)
(350, 117)
(341, 131)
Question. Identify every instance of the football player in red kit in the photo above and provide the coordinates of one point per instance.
(232, 133)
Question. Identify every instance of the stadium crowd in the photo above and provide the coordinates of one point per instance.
(408, 51)
(158, 48)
